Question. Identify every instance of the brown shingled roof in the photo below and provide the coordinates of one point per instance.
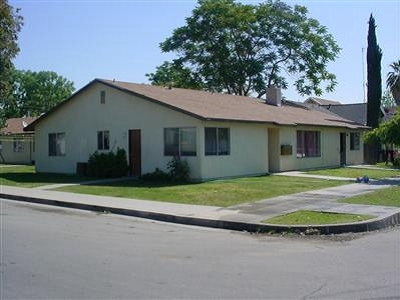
(221, 107)
(16, 125)
(224, 107)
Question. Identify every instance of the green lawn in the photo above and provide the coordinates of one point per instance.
(221, 193)
(384, 166)
(307, 217)
(25, 176)
(386, 197)
(354, 173)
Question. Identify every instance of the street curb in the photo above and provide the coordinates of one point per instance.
(363, 226)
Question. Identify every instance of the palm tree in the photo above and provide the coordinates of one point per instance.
(393, 81)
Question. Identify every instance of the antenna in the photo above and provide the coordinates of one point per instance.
(363, 73)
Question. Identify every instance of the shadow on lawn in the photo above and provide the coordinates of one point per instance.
(24, 177)
(139, 183)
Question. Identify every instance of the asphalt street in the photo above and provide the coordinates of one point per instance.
(56, 253)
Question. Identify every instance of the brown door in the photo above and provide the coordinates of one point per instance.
(135, 152)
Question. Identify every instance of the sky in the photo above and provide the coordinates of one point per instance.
(83, 40)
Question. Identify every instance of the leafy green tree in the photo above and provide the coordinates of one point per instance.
(387, 133)
(10, 25)
(243, 48)
(374, 88)
(393, 81)
(34, 93)
(174, 74)
(388, 100)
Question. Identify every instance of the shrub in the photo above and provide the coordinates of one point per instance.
(108, 165)
(157, 175)
(179, 170)
(396, 162)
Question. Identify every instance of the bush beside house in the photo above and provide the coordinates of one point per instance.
(108, 165)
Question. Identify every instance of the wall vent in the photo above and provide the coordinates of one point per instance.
(103, 97)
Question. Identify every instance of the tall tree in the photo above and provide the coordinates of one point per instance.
(393, 81)
(243, 48)
(374, 88)
(34, 93)
(10, 25)
(374, 80)
(175, 74)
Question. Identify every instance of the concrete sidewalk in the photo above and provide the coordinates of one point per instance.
(248, 217)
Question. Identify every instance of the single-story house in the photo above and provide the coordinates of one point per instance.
(16, 145)
(220, 135)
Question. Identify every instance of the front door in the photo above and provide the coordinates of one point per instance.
(135, 153)
(342, 148)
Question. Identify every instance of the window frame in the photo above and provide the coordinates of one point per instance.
(18, 145)
(307, 136)
(217, 136)
(355, 141)
(59, 147)
(103, 140)
(181, 138)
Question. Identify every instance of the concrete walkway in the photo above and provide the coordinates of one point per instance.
(319, 200)
(372, 167)
(306, 175)
(248, 216)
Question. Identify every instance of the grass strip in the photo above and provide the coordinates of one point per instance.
(222, 193)
(386, 197)
(308, 217)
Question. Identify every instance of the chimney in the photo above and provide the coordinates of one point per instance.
(274, 95)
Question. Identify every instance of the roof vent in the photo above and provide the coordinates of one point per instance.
(274, 95)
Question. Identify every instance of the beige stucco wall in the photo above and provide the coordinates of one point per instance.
(354, 157)
(81, 118)
(84, 116)
(330, 149)
(274, 150)
(25, 156)
(248, 155)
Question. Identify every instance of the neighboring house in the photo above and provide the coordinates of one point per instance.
(219, 135)
(320, 101)
(17, 145)
(356, 112)
(389, 113)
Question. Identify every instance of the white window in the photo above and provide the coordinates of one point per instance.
(103, 140)
(57, 144)
(180, 141)
(354, 141)
(18, 145)
(217, 141)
